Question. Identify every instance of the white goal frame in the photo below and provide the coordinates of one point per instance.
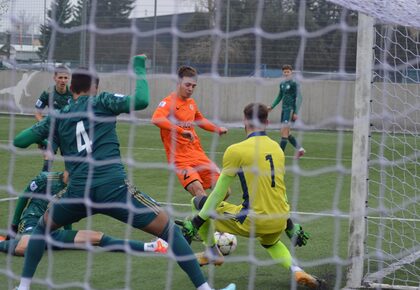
(356, 277)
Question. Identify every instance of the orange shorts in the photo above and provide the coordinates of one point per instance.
(207, 174)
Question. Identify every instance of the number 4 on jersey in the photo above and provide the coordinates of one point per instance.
(81, 134)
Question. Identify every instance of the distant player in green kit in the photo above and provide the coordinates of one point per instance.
(55, 97)
(290, 95)
(34, 202)
(86, 135)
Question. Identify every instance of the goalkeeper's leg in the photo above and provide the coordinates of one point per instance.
(206, 234)
(280, 253)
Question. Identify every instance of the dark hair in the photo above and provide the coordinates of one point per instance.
(256, 111)
(61, 69)
(186, 71)
(287, 66)
(82, 79)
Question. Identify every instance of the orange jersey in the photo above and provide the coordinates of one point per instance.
(173, 116)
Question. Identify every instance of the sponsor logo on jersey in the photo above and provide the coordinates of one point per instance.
(33, 186)
(118, 95)
(38, 103)
(162, 104)
(185, 125)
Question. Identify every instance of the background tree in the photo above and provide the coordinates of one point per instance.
(114, 48)
(57, 48)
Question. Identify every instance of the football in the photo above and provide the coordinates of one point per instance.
(226, 242)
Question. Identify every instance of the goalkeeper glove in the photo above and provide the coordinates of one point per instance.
(190, 227)
(297, 235)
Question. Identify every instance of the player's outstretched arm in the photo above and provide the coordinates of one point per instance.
(296, 234)
(142, 94)
(28, 137)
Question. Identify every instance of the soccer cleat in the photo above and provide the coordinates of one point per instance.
(161, 246)
(300, 153)
(310, 281)
(210, 256)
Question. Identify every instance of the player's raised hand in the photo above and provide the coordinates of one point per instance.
(139, 64)
(222, 130)
(297, 235)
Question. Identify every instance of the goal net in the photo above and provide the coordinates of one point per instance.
(358, 122)
(392, 240)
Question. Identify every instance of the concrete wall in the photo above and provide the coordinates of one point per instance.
(326, 104)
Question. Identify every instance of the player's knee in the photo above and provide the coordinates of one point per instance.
(196, 188)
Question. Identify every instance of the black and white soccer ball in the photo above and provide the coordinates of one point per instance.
(225, 242)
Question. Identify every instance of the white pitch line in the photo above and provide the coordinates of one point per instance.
(220, 153)
(292, 212)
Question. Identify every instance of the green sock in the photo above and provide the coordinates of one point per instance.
(293, 141)
(283, 143)
(182, 252)
(280, 253)
(206, 233)
(34, 251)
(9, 246)
(117, 245)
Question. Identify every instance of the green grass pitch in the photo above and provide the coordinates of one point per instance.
(317, 185)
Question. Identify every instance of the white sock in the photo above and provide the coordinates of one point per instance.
(204, 286)
(24, 283)
(296, 269)
(150, 247)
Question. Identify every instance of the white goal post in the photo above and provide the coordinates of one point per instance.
(383, 246)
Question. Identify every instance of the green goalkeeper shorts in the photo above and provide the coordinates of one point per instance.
(117, 199)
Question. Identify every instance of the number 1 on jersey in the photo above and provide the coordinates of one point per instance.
(81, 134)
(269, 158)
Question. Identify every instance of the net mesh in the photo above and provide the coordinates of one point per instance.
(392, 228)
(238, 48)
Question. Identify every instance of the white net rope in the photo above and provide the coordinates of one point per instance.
(393, 227)
(238, 48)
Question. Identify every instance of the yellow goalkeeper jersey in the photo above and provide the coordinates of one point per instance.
(259, 163)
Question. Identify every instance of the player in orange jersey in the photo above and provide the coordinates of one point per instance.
(176, 116)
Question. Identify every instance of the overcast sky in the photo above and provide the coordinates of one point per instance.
(33, 10)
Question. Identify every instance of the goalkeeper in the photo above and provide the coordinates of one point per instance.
(33, 203)
(85, 132)
(259, 163)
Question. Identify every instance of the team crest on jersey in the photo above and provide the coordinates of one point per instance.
(118, 95)
(162, 104)
(287, 87)
(191, 107)
(33, 186)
